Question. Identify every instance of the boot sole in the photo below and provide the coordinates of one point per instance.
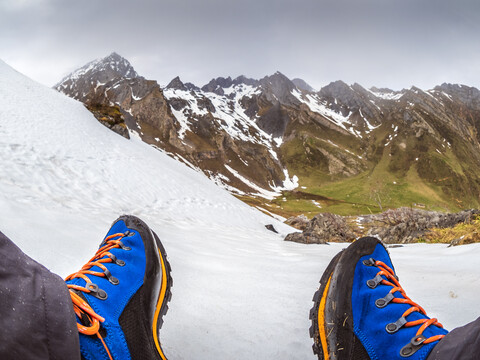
(318, 329)
(164, 297)
(164, 294)
(331, 315)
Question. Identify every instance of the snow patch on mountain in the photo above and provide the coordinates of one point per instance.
(387, 95)
(288, 184)
(367, 122)
(227, 111)
(317, 105)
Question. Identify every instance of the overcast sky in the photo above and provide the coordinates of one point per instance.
(384, 43)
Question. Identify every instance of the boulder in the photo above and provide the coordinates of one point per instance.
(305, 238)
(322, 228)
(271, 228)
(298, 222)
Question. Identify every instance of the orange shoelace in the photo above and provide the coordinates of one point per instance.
(386, 271)
(82, 309)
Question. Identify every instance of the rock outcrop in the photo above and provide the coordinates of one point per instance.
(322, 228)
(298, 222)
(407, 225)
(111, 117)
(398, 226)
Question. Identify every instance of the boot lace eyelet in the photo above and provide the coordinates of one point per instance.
(369, 262)
(123, 246)
(115, 260)
(394, 327)
(373, 283)
(413, 346)
(96, 291)
(382, 302)
(113, 280)
(387, 277)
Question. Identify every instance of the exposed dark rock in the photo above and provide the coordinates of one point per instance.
(381, 90)
(244, 80)
(302, 85)
(177, 84)
(217, 85)
(298, 222)
(121, 129)
(406, 225)
(205, 103)
(306, 238)
(111, 117)
(271, 228)
(191, 87)
(278, 88)
(274, 121)
(468, 95)
(178, 104)
(398, 226)
(323, 228)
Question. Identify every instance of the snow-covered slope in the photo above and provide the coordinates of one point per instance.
(239, 290)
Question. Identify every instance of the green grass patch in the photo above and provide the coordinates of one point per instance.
(465, 233)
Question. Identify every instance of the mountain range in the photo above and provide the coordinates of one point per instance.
(239, 291)
(286, 148)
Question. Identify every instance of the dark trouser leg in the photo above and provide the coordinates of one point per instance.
(461, 343)
(36, 313)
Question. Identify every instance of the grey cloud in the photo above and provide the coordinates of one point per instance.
(372, 42)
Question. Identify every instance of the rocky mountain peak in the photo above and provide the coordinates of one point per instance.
(176, 84)
(302, 85)
(381, 90)
(466, 94)
(217, 85)
(244, 80)
(342, 96)
(118, 65)
(336, 89)
(278, 88)
(277, 79)
(114, 56)
(190, 86)
(100, 71)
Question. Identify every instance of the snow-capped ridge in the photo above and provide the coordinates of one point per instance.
(219, 84)
(276, 79)
(176, 84)
(105, 69)
(302, 85)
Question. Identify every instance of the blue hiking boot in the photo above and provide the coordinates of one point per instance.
(121, 295)
(361, 312)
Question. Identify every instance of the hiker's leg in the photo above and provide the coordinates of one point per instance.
(36, 314)
(461, 343)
